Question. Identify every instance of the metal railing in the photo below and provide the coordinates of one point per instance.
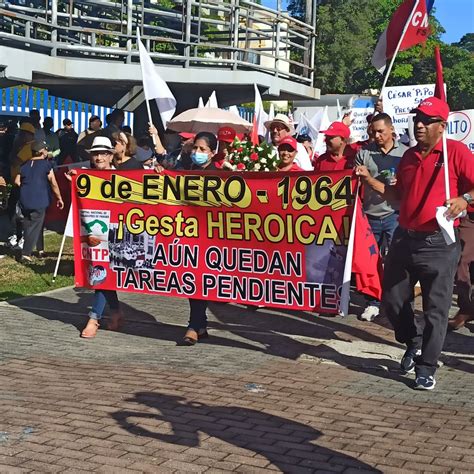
(230, 34)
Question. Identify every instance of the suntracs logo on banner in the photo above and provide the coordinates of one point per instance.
(97, 274)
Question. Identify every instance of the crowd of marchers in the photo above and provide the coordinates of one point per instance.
(402, 186)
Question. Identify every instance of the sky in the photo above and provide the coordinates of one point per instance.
(456, 16)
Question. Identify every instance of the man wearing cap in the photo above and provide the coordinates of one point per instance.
(287, 150)
(67, 141)
(95, 124)
(419, 250)
(281, 127)
(338, 155)
(372, 161)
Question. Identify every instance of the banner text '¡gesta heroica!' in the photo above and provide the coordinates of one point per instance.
(244, 226)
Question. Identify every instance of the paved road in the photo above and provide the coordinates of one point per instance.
(269, 391)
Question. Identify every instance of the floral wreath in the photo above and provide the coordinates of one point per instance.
(245, 156)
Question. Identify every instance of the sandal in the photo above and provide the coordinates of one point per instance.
(116, 321)
(91, 329)
(191, 337)
(203, 334)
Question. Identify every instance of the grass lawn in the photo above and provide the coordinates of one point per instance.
(17, 279)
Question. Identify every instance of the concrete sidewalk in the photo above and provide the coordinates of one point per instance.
(268, 391)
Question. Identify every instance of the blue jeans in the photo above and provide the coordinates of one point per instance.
(101, 297)
(197, 315)
(383, 229)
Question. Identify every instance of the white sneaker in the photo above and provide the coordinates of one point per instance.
(370, 313)
(19, 245)
(12, 241)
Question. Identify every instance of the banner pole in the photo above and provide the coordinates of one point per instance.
(405, 28)
(60, 254)
(346, 279)
(446, 170)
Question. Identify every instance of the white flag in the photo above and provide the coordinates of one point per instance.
(212, 102)
(271, 112)
(305, 127)
(200, 103)
(260, 114)
(320, 146)
(154, 86)
(235, 110)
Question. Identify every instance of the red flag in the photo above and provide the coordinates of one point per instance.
(412, 14)
(254, 135)
(367, 262)
(439, 89)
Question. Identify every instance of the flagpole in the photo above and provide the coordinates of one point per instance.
(150, 120)
(147, 102)
(446, 170)
(346, 279)
(60, 254)
(389, 70)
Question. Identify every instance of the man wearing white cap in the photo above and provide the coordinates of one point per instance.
(281, 127)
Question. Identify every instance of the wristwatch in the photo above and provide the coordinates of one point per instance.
(468, 198)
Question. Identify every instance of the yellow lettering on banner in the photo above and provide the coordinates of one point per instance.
(192, 190)
(321, 193)
(273, 228)
(280, 225)
(136, 223)
(328, 231)
(211, 225)
(309, 238)
(252, 224)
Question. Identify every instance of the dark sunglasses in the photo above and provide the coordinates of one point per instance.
(426, 120)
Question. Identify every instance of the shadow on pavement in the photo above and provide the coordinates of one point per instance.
(274, 331)
(137, 323)
(267, 332)
(253, 430)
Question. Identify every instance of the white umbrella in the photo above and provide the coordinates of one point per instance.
(208, 119)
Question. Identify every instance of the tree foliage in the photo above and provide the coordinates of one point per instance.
(347, 32)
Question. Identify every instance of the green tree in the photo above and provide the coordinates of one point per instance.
(466, 42)
(347, 32)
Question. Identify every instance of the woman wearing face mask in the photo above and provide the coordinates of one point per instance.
(204, 148)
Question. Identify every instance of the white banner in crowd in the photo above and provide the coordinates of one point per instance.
(399, 101)
(359, 123)
(461, 127)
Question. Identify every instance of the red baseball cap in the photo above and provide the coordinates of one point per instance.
(289, 141)
(187, 135)
(337, 129)
(226, 134)
(433, 107)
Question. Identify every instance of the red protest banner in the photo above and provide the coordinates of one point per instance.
(254, 238)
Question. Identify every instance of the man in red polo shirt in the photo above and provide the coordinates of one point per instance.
(419, 251)
(339, 155)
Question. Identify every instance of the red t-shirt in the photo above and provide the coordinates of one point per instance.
(295, 167)
(420, 183)
(327, 162)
